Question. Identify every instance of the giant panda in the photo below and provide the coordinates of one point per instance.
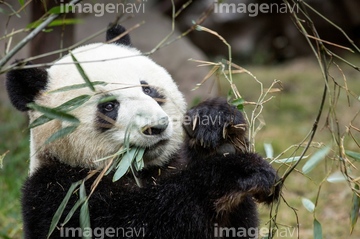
(198, 175)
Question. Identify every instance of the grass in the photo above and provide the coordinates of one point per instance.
(289, 117)
(15, 141)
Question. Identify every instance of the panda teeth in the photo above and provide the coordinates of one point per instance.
(147, 131)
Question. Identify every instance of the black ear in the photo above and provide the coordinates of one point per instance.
(23, 85)
(115, 31)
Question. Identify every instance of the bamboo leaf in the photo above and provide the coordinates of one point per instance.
(67, 106)
(53, 113)
(315, 159)
(56, 218)
(40, 121)
(317, 230)
(67, 21)
(63, 8)
(54, 23)
(355, 207)
(107, 99)
(239, 103)
(72, 211)
(139, 159)
(84, 212)
(309, 205)
(82, 73)
(269, 151)
(76, 86)
(289, 160)
(124, 164)
(336, 177)
(73, 103)
(353, 155)
(61, 133)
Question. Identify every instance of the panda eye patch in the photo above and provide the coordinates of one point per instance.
(108, 106)
(152, 92)
(107, 113)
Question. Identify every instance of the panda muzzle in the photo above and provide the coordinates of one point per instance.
(157, 127)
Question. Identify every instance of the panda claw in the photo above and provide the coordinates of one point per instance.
(224, 131)
(195, 122)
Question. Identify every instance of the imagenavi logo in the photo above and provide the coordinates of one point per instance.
(253, 9)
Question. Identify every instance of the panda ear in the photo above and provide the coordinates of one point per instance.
(23, 85)
(116, 30)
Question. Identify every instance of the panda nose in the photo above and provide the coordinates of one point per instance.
(156, 128)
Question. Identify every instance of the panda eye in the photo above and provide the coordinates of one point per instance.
(147, 90)
(109, 107)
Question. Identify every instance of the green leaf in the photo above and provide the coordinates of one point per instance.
(57, 22)
(124, 164)
(84, 212)
(76, 86)
(61, 133)
(60, 210)
(53, 113)
(40, 121)
(269, 151)
(355, 207)
(315, 159)
(73, 103)
(72, 211)
(67, 21)
(63, 8)
(353, 155)
(48, 30)
(82, 72)
(139, 159)
(107, 99)
(22, 2)
(289, 160)
(317, 230)
(309, 205)
(336, 177)
(67, 106)
(239, 103)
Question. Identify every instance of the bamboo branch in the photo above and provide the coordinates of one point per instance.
(31, 35)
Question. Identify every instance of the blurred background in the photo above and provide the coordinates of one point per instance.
(268, 45)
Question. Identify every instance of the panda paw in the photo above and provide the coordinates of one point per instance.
(268, 190)
(214, 124)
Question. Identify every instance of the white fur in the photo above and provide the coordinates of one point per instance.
(122, 68)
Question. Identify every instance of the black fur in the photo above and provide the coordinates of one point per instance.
(23, 85)
(115, 31)
(189, 203)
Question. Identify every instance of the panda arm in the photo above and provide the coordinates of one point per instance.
(185, 205)
(216, 134)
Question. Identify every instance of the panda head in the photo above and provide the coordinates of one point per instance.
(139, 99)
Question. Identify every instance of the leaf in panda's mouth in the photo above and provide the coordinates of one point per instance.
(132, 159)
